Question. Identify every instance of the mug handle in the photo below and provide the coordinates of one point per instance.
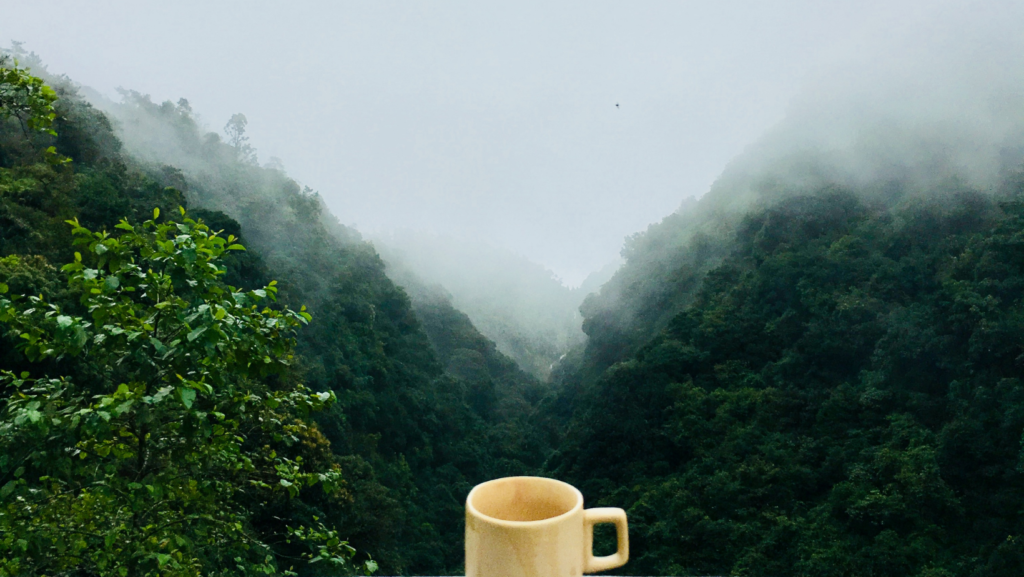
(596, 516)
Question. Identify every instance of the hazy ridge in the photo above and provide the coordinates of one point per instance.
(812, 369)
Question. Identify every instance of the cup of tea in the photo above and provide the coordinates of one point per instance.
(536, 527)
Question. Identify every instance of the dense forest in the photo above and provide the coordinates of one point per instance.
(528, 313)
(422, 406)
(815, 369)
(841, 397)
(813, 376)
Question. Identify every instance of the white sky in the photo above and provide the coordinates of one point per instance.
(492, 123)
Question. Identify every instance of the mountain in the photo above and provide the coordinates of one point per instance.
(520, 305)
(427, 407)
(815, 369)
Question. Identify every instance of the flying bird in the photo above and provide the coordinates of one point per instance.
(616, 105)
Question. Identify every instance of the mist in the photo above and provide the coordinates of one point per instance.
(530, 315)
(504, 156)
(497, 167)
(492, 124)
(750, 273)
(943, 107)
(930, 104)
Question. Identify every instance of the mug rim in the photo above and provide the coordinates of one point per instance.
(476, 513)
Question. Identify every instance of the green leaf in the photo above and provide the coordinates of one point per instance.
(160, 348)
(3, 288)
(196, 333)
(59, 436)
(156, 213)
(236, 247)
(188, 396)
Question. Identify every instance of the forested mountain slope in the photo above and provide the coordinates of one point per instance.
(885, 143)
(410, 436)
(520, 305)
(814, 370)
(841, 396)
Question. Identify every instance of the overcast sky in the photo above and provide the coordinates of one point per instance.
(492, 123)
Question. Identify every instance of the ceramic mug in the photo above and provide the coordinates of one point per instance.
(536, 527)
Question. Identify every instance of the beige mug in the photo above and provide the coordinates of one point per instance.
(536, 527)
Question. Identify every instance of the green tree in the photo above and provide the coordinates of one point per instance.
(26, 98)
(235, 129)
(841, 397)
(152, 460)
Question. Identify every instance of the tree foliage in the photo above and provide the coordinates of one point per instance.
(409, 432)
(827, 383)
(152, 462)
(26, 98)
(842, 397)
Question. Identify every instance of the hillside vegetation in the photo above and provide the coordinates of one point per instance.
(529, 314)
(814, 370)
(420, 416)
(834, 388)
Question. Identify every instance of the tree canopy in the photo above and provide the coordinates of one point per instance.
(822, 381)
(841, 397)
(151, 460)
(406, 429)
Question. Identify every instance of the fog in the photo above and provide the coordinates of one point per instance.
(500, 124)
(482, 151)
(495, 124)
(943, 109)
(697, 232)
